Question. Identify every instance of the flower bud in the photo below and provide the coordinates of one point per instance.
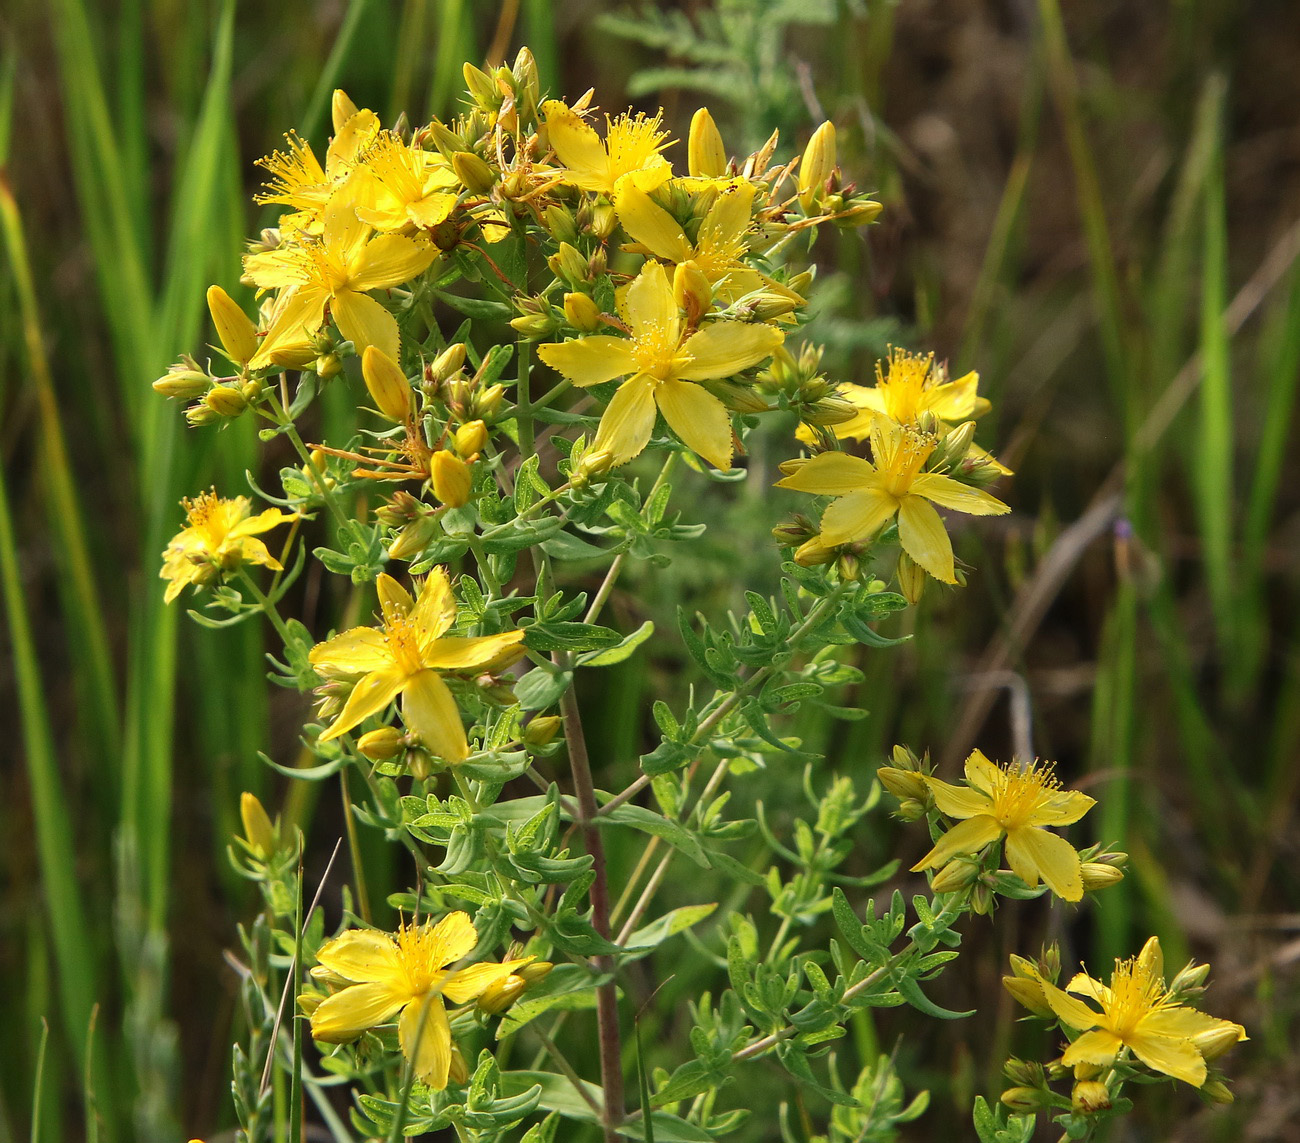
(1151, 960)
(481, 88)
(981, 899)
(706, 157)
(958, 874)
(444, 138)
(1217, 1040)
(910, 810)
(473, 172)
(528, 85)
(308, 1002)
(387, 384)
(399, 509)
(261, 835)
(1097, 876)
(225, 400)
(535, 970)
(411, 541)
(1216, 1091)
(1023, 1072)
(457, 1070)
(794, 531)
(382, 744)
(541, 731)
(954, 446)
(692, 291)
(501, 994)
(817, 165)
(328, 365)
(738, 398)
(569, 263)
(535, 326)
(812, 553)
(235, 329)
(911, 579)
(182, 383)
(859, 212)
(830, 410)
(903, 783)
(1090, 1096)
(451, 477)
(486, 403)
(592, 464)
(560, 222)
(1026, 1099)
(1190, 979)
(581, 312)
(470, 439)
(770, 305)
(200, 415)
(447, 364)
(603, 219)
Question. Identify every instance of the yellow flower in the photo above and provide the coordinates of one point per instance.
(1139, 1013)
(721, 243)
(336, 270)
(1015, 803)
(664, 359)
(405, 658)
(403, 187)
(407, 973)
(297, 177)
(629, 151)
(870, 495)
(220, 536)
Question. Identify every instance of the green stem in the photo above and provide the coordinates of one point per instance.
(523, 403)
(264, 602)
(285, 423)
(485, 568)
(354, 848)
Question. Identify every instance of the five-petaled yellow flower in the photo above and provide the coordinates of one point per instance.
(406, 973)
(405, 658)
(1012, 802)
(336, 270)
(1139, 1013)
(664, 359)
(630, 150)
(870, 495)
(220, 536)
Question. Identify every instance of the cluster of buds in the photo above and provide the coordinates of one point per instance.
(822, 190)
(905, 779)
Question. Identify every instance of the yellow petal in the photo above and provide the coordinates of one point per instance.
(461, 654)
(955, 401)
(341, 109)
(981, 773)
(359, 650)
(1187, 1024)
(431, 713)
(454, 937)
(959, 497)
(298, 315)
(699, 419)
(724, 226)
(357, 130)
(629, 420)
(577, 146)
(345, 1015)
(649, 224)
(648, 306)
(262, 522)
(1033, 852)
(253, 551)
(430, 211)
(364, 955)
(922, 535)
(394, 599)
(363, 321)
(344, 234)
(425, 1037)
(590, 360)
(391, 260)
(958, 801)
(369, 696)
(857, 516)
(1174, 1057)
(469, 983)
(969, 836)
(1063, 808)
(831, 474)
(435, 611)
(1096, 1047)
(724, 348)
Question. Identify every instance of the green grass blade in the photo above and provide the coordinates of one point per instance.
(1211, 462)
(78, 588)
(314, 120)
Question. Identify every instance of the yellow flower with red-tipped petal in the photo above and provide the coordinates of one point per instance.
(664, 359)
(406, 975)
(1138, 1013)
(871, 494)
(220, 535)
(630, 150)
(336, 270)
(406, 657)
(1016, 803)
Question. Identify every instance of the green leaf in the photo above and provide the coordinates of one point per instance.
(569, 636)
(620, 651)
(570, 548)
(669, 925)
(911, 992)
(541, 688)
(476, 308)
(647, 821)
(664, 1128)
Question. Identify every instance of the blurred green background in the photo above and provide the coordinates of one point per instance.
(1098, 208)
